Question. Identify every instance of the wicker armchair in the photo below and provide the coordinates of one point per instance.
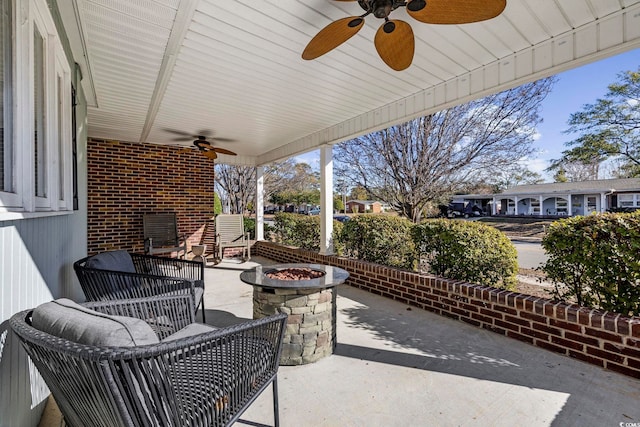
(117, 275)
(199, 376)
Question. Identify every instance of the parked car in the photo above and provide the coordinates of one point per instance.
(462, 209)
(341, 218)
(314, 211)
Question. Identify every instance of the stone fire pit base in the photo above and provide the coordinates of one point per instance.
(311, 326)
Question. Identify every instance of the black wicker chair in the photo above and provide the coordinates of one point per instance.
(117, 275)
(206, 379)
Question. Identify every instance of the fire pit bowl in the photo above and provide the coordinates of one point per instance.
(294, 273)
(306, 292)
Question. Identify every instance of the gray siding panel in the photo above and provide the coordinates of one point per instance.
(36, 259)
(36, 265)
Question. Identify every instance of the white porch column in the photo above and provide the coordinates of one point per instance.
(494, 208)
(515, 207)
(569, 209)
(260, 203)
(540, 200)
(326, 199)
(603, 202)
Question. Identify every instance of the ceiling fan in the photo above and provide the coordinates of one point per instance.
(394, 39)
(202, 144)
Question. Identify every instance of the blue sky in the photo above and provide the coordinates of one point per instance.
(574, 89)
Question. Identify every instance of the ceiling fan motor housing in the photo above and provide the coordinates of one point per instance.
(380, 8)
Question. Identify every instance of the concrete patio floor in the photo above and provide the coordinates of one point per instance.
(401, 366)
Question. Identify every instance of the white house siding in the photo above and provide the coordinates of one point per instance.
(36, 258)
(36, 265)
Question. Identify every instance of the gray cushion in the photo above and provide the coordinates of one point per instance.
(189, 331)
(66, 319)
(112, 260)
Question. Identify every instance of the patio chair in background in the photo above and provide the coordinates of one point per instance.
(230, 234)
(108, 364)
(161, 235)
(114, 275)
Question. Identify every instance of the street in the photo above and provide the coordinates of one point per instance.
(530, 254)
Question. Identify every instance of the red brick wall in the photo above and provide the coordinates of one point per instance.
(126, 180)
(608, 340)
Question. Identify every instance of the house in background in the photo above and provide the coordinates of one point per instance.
(560, 198)
(363, 206)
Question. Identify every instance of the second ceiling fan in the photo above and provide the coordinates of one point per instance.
(394, 40)
(201, 143)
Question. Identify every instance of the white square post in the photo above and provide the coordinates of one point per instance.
(326, 199)
(260, 203)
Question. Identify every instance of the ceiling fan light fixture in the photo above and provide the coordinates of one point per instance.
(382, 8)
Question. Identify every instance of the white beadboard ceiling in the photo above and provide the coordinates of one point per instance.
(234, 66)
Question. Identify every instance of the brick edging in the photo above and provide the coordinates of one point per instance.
(608, 340)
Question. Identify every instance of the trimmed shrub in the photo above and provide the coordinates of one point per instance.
(250, 226)
(217, 204)
(381, 239)
(467, 250)
(595, 260)
(302, 231)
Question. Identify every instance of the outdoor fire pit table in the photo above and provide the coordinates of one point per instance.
(306, 292)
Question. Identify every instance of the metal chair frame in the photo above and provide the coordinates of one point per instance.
(208, 379)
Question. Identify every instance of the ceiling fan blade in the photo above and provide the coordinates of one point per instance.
(332, 36)
(223, 151)
(454, 11)
(184, 138)
(395, 44)
(178, 132)
(210, 154)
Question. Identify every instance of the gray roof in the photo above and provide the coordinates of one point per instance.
(580, 187)
(596, 186)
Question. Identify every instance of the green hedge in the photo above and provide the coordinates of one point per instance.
(301, 230)
(596, 261)
(467, 250)
(381, 239)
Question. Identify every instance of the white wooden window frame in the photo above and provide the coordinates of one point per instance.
(632, 200)
(23, 202)
(562, 206)
(534, 207)
(589, 206)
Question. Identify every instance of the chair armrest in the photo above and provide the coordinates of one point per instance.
(223, 370)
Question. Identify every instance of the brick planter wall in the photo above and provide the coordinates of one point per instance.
(126, 180)
(611, 341)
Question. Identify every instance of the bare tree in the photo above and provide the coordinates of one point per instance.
(574, 171)
(236, 185)
(278, 177)
(416, 163)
